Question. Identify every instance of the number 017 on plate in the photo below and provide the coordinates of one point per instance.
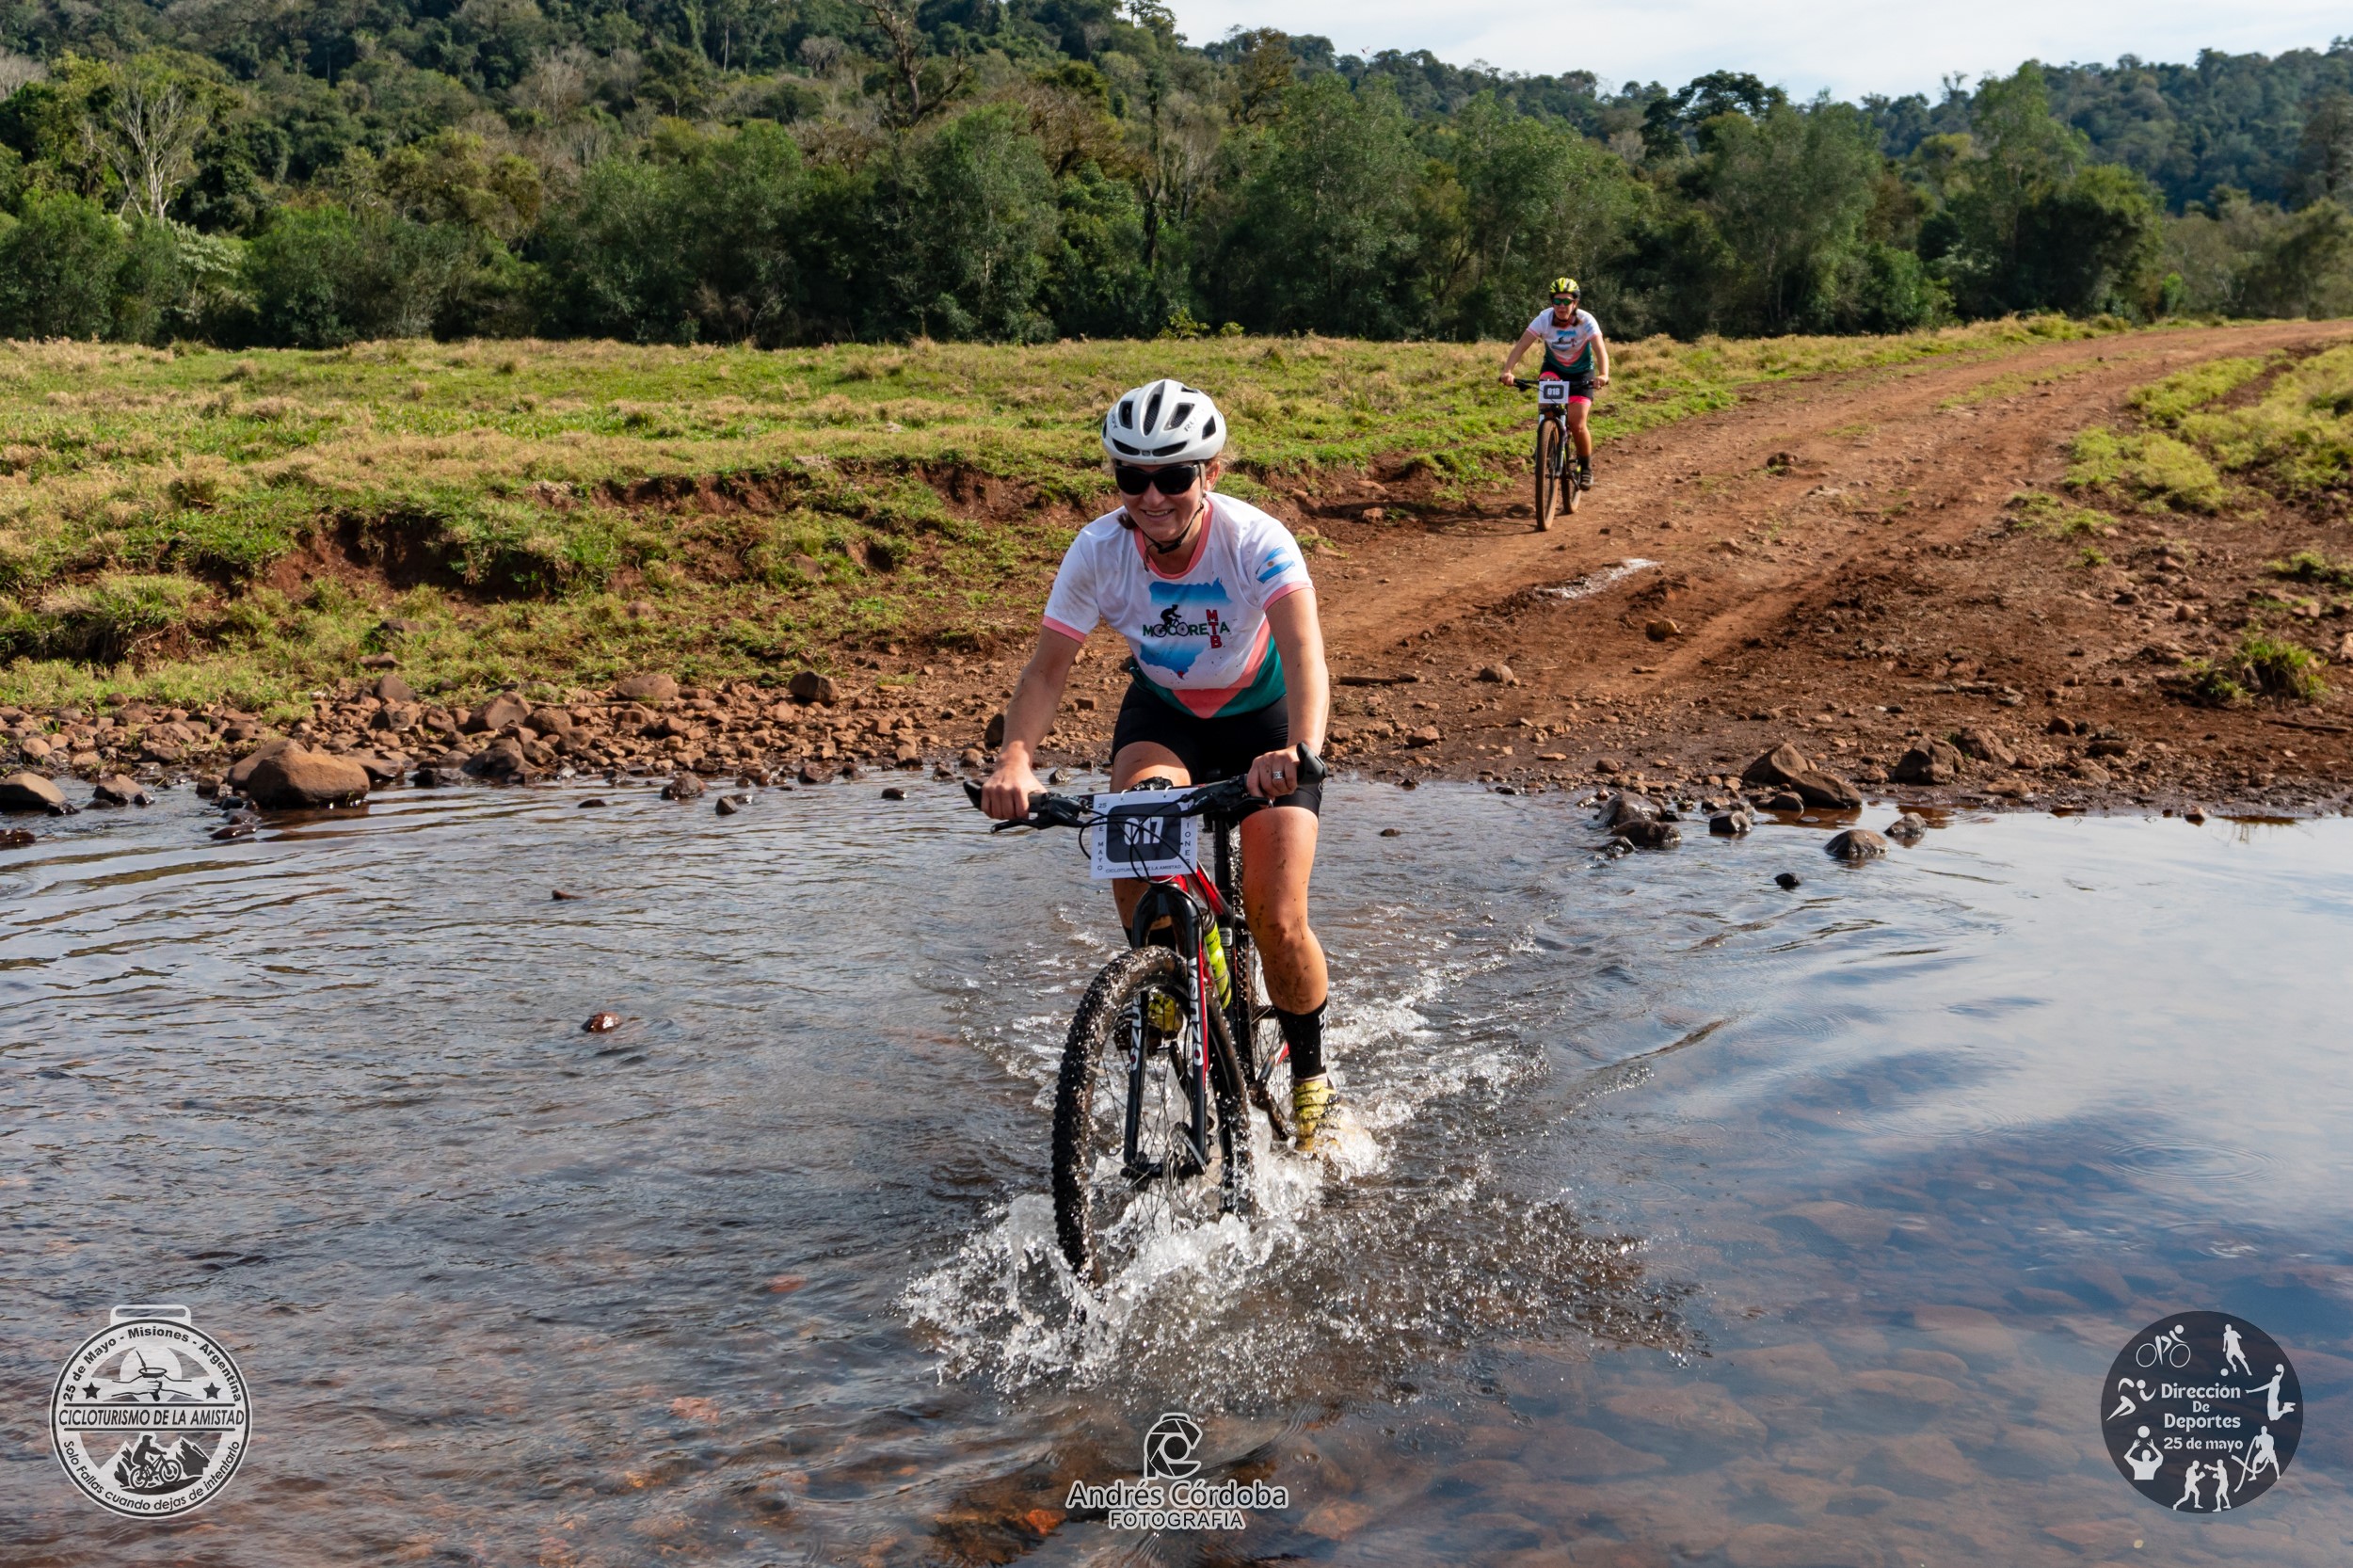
(1141, 834)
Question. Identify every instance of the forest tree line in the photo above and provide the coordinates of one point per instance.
(715, 171)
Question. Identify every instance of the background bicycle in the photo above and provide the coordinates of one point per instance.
(1557, 482)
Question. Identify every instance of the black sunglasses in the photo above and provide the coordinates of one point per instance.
(1173, 479)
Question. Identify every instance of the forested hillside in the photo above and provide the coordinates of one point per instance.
(675, 170)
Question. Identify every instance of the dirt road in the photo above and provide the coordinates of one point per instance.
(1829, 564)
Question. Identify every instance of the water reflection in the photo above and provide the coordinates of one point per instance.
(1694, 1221)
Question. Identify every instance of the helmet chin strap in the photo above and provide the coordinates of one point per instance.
(1179, 542)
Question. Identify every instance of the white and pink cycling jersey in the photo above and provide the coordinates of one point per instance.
(1570, 347)
(1200, 638)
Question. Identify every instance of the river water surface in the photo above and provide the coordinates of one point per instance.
(1684, 1220)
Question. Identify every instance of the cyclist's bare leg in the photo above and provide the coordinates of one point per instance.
(1583, 437)
(1278, 853)
(1139, 760)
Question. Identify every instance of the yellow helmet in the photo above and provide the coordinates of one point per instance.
(1565, 285)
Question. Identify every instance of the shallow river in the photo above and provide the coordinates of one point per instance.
(1685, 1219)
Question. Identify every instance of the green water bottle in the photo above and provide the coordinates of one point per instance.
(1214, 944)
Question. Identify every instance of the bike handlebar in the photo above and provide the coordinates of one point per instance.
(1225, 798)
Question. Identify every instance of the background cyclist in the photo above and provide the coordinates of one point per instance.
(1574, 352)
(1227, 680)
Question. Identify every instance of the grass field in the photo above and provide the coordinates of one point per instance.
(184, 526)
(2292, 440)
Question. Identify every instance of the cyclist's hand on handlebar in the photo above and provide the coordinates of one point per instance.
(1508, 379)
(1006, 794)
(1275, 773)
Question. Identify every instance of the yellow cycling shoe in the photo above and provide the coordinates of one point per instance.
(1312, 1101)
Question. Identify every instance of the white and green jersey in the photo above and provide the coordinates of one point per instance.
(1568, 350)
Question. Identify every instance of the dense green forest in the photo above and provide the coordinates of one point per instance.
(311, 172)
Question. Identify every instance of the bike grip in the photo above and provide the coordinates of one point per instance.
(973, 794)
(1311, 768)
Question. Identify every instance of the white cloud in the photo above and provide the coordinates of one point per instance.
(1850, 46)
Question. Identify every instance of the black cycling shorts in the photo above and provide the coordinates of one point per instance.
(1212, 749)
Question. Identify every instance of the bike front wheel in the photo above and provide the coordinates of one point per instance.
(1132, 1082)
(1548, 471)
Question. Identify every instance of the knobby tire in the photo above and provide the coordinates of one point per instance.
(1548, 452)
(1086, 1199)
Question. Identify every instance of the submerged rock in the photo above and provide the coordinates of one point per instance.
(119, 790)
(30, 791)
(296, 778)
(1908, 829)
(601, 1023)
(1650, 834)
(1788, 882)
(502, 761)
(730, 804)
(1627, 807)
(1856, 843)
(15, 837)
(1730, 825)
(686, 786)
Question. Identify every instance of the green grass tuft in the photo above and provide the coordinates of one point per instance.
(2169, 401)
(2158, 471)
(2039, 512)
(2260, 665)
(2311, 565)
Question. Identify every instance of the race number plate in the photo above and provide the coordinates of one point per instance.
(1552, 390)
(1141, 835)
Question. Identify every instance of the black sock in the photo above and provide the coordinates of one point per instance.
(1303, 1033)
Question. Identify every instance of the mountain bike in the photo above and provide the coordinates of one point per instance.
(1558, 483)
(1166, 1054)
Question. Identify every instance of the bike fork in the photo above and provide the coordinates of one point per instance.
(1197, 1069)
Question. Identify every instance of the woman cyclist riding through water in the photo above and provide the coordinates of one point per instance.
(1228, 680)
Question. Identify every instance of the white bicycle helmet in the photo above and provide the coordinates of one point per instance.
(1164, 422)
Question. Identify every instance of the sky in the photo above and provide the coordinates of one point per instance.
(1850, 47)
